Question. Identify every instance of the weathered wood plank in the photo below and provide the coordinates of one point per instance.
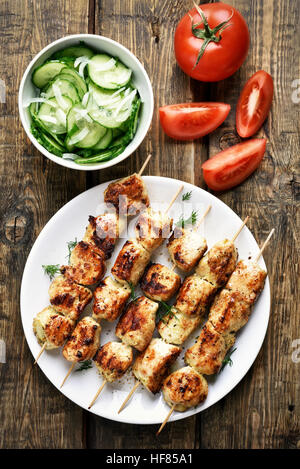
(263, 412)
(33, 414)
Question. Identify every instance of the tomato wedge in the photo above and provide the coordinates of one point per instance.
(188, 121)
(233, 165)
(254, 103)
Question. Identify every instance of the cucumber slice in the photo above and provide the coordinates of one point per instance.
(104, 141)
(65, 76)
(83, 132)
(74, 51)
(103, 97)
(78, 81)
(46, 72)
(54, 116)
(101, 156)
(47, 141)
(112, 118)
(66, 88)
(108, 72)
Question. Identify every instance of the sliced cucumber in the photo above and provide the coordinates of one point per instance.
(66, 88)
(74, 51)
(53, 115)
(78, 81)
(103, 97)
(104, 141)
(114, 117)
(47, 141)
(46, 72)
(101, 156)
(108, 72)
(83, 132)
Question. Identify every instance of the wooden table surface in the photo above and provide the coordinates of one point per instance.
(263, 410)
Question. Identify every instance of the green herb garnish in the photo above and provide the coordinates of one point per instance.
(85, 365)
(71, 245)
(165, 310)
(227, 360)
(133, 296)
(187, 196)
(51, 270)
(191, 220)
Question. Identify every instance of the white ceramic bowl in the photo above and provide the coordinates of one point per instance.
(101, 44)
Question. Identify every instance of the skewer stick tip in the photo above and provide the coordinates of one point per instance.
(97, 394)
(40, 353)
(129, 396)
(264, 244)
(240, 229)
(68, 374)
(144, 164)
(166, 420)
(174, 198)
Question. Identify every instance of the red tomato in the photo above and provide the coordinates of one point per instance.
(226, 49)
(254, 104)
(188, 121)
(233, 165)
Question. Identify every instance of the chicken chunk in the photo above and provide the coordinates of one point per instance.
(87, 265)
(176, 326)
(248, 279)
(128, 195)
(110, 298)
(137, 324)
(69, 298)
(231, 308)
(84, 341)
(113, 360)
(218, 264)
(130, 263)
(159, 282)
(152, 228)
(52, 328)
(152, 365)
(103, 232)
(207, 354)
(186, 247)
(185, 388)
(195, 296)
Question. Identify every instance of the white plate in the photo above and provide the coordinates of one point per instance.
(51, 248)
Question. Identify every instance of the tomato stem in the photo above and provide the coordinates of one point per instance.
(207, 34)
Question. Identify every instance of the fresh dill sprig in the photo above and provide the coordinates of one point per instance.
(191, 220)
(165, 310)
(227, 360)
(133, 296)
(187, 196)
(51, 270)
(71, 245)
(85, 365)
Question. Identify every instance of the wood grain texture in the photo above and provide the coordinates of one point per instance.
(32, 413)
(263, 410)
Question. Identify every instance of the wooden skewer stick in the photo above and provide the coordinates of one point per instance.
(240, 229)
(264, 245)
(203, 216)
(174, 198)
(144, 165)
(97, 394)
(166, 419)
(129, 396)
(40, 353)
(68, 374)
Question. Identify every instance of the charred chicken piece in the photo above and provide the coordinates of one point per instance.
(130, 263)
(137, 323)
(84, 341)
(159, 283)
(129, 195)
(113, 360)
(110, 298)
(69, 298)
(52, 328)
(186, 248)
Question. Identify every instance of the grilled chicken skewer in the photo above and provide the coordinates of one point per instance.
(146, 283)
(186, 247)
(66, 296)
(244, 286)
(136, 326)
